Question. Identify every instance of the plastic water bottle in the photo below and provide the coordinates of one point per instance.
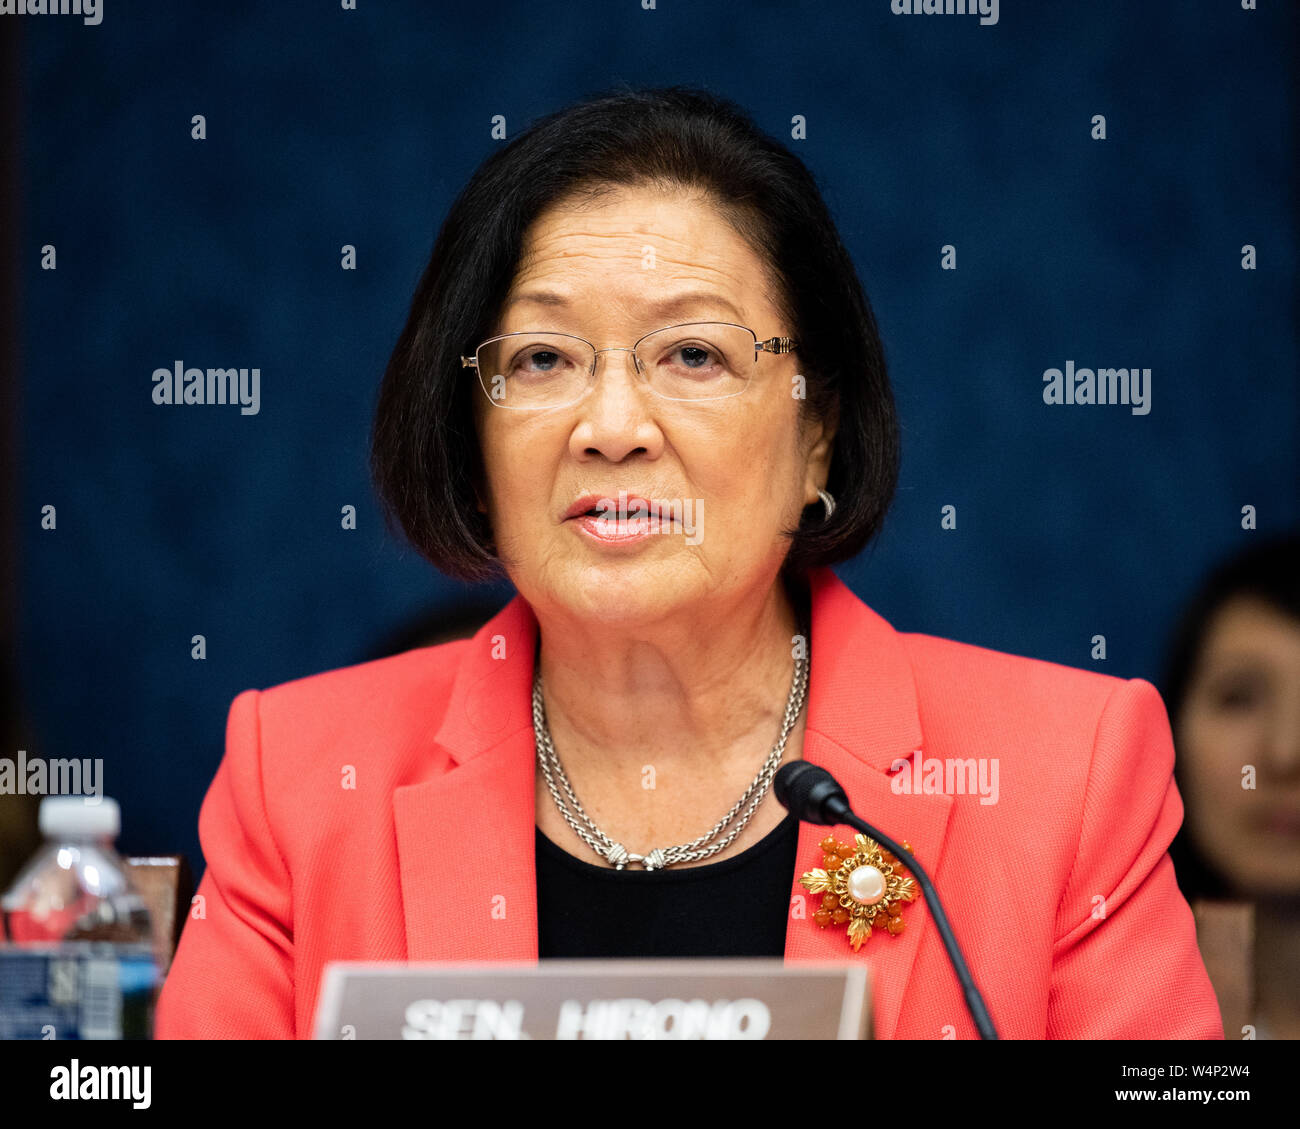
(80, 961)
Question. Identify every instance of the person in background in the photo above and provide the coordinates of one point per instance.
(1232, 688)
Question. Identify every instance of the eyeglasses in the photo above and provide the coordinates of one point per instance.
(703, 360)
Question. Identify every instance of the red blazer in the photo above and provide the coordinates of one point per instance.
(375, 812)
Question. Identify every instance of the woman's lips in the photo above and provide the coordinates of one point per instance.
(626, 520)
(609, 504)
(612, 531)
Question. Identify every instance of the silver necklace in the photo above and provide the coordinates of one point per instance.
(614, 852)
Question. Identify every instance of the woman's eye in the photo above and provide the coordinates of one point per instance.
(1237, 696)
(694, 359)
(1236, 699)
(539, 362)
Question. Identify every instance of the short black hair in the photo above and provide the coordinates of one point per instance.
(1268, 571)
(425, 456)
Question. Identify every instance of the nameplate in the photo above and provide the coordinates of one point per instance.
(709, 998)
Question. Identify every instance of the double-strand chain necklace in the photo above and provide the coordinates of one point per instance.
(614, 852)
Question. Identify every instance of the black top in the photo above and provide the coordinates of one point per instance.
(737, 907)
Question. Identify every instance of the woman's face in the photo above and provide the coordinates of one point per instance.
(738, 470)
(1243, 709)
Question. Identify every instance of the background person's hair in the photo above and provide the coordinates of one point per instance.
(1268, 571)
(425, 457)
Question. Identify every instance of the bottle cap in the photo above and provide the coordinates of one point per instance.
(79, 817)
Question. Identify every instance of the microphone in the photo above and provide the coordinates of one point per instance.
(813, 795)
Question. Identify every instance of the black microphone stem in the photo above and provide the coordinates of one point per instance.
(974, 1001)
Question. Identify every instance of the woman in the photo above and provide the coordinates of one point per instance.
(678, 418)
(1233, 690)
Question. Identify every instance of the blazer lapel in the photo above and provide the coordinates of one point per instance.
(465, 839)
(862, 719)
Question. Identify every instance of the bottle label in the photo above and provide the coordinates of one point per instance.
(77, 991)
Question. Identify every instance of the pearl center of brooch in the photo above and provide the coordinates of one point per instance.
(866, 885)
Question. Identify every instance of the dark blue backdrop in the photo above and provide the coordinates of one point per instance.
(328, 127)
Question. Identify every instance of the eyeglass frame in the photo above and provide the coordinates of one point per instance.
(777, 345)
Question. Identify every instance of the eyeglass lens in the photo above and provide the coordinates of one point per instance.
(700, 361)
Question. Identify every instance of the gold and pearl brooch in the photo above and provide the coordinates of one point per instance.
(862, 886)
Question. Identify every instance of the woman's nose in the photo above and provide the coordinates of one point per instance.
(614, 418)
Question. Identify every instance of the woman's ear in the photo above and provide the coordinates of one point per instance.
(817, 465)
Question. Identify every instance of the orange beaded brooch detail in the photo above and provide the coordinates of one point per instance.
(862, 886)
